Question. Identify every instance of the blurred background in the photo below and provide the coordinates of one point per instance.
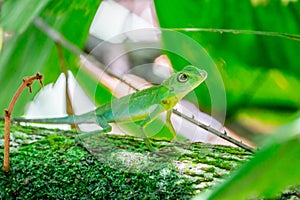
(254, 44)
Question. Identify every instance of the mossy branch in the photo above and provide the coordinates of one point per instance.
(27, 82)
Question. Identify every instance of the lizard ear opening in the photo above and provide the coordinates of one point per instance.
(182, 77)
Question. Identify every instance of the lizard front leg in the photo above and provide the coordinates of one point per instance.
(169, 124)
(154, 114)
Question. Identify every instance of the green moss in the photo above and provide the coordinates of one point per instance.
(56, 167)
(209, 169)
(213, 161)
(217, 175)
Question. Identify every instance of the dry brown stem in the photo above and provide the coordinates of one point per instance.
(27, 82)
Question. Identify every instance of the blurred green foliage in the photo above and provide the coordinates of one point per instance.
(17, 16)
(259, 71)
(56, 168)
(28, 50)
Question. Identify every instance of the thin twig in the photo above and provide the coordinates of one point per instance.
(27, 82)
(63, 66)
(214, 131)
(242, 32)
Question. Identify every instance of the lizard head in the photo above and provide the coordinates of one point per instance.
(182, 82)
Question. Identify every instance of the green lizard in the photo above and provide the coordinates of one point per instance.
(143, 106)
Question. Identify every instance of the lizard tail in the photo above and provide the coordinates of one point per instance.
(61, 120)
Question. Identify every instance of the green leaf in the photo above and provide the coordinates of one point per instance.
(273, 168)
(1, 38)
(17, 15)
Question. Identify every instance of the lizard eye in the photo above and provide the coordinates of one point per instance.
(182, 78)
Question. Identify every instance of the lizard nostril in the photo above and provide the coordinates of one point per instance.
(203, 73)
